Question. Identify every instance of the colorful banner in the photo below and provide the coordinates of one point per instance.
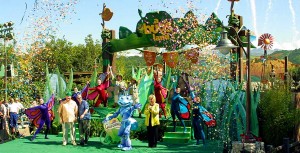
(149, 57)
(192, 55)
(171, 58)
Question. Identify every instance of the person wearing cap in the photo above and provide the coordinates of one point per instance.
(68, 111)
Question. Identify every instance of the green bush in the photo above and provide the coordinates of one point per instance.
(56, 128)
(276, 116)
(96, 128)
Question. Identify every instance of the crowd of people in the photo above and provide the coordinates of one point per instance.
(9, 116)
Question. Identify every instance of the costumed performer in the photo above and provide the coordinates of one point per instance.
(128, 123)
(41, 115)
(99, 93)
(197, 110)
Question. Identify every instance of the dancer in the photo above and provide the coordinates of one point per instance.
(197, 118)
(99, 93)
(41, 115)
(179, 107)
(161, 94)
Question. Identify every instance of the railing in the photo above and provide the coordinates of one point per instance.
(284, 148)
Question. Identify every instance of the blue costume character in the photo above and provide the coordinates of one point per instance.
(126, 110)
(180, 108)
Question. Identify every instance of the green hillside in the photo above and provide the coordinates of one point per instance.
(293, 56)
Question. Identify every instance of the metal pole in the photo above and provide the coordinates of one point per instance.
(248, 102)
(5, 70)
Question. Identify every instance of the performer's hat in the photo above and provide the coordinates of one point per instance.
(69, 93)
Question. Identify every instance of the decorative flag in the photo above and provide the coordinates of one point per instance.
(149, 57)
(171, 58)
(192, 55)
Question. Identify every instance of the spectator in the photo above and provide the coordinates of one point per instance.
(152, 121)
(14, 109)
(68, 111)
(20, 112)
(120, 87)
(31, 125)
(134, 91)
(3, 130)
(84, 120)
(7, 118)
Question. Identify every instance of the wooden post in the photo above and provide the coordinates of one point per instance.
(114, 55)
(285, 70)
(107, 54)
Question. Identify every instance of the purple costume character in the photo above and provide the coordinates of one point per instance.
(41, 115)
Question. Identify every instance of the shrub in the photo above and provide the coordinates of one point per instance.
(276, 116)
(96, 128)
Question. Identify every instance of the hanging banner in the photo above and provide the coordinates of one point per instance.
(171, 58)
(192, 55)
(149, 57)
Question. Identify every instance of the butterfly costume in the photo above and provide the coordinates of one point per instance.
(41, 115)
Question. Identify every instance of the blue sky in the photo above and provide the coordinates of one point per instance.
(81, 17)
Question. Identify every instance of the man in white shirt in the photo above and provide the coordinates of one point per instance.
(14, 109)
(68, 111)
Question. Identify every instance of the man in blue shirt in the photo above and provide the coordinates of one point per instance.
(84, 120)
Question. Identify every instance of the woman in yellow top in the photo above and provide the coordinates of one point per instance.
(152, 121)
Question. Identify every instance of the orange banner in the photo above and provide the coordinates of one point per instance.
(171, 58)
(192, 55)
(149, 57)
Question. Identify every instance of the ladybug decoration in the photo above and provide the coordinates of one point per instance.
(266, 41)
(106, 14)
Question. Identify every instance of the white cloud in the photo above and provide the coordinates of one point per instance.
(287, 45)
(217, 7)
(253, 12)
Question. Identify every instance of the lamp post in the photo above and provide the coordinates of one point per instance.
(6, 34)
(224, 46)
(234, 22)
